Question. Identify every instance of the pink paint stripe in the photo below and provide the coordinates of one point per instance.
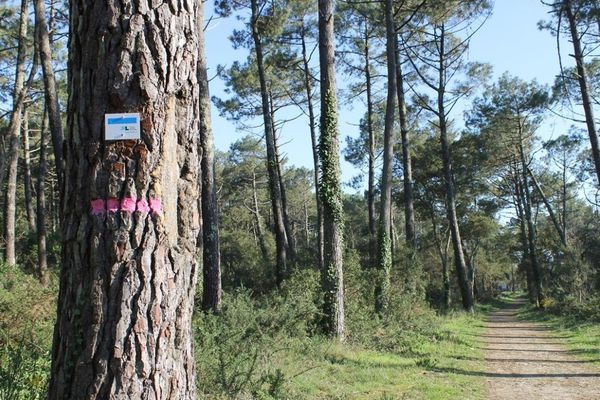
(128, 204)
(156, 206)
(142, 206)
(98, 207)
(112, 205)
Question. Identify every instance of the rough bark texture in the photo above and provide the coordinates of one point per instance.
(27, 182)
(315, 148)
(583, 86)
(330, 190)
(459, 257)
(211, 254)
(14, 130)
(42, 264)
(281, 242)
(409, 208)
(129, 269)
(384, 262)
(45, 51)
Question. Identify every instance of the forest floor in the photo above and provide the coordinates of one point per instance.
(528, 360)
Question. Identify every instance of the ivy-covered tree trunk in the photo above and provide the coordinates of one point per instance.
(313, 137)
(281, 242)
(211, 253)
(130, 221)
(582, 78)
(384, 262)
(332, 276)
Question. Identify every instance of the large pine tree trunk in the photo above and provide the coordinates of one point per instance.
(211, 254)
(384, 263)
(315, 148)
(281, 242)
(14, 129)
(130, 221)
(583, 86)
(331, 187)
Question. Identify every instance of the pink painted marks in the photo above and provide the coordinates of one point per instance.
(143, 206)
(128, 205)
(156, 206)
(112, 205)
(98, 207)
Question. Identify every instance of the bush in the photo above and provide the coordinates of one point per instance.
(237, 351)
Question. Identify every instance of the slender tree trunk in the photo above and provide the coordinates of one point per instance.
(306, 225)
(519, 201)
(409, 208)
(385, 224)
(371, 132)
(531, 235)
(289, 234)
(211, 253)
(459, 257)
(443, 253)
(28, 184)
(315, 148)
(50, 87)
(259, 230)
(553, 218)
(583, 86)
(14, 130)
(331, 186)
(281, 242)
(41, 207)
(130, 222)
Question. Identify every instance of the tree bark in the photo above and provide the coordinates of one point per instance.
(315, 148)
(371, 173)
(459, 257)
(14, 130)
(27, 181)
(583, 86)
(130, 224)
(409, 208)
(211, 253)
(384, 263)
(281, 242)
(331, 193)
(553, 218)
(42, 263)
(524, 241)
(531, 235)
(256, 212)
(51, 93)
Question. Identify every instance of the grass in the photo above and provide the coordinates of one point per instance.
(582, 337)
(429, 368)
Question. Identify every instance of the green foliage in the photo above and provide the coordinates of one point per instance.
(330, 184)
(237, 350)
(27, 311)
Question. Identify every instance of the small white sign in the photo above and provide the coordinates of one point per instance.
(122, 126)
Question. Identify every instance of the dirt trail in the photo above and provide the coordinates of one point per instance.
(525, 361)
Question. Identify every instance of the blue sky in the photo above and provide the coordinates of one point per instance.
(509, 41)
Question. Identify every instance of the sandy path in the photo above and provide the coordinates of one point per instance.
(525, 361)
